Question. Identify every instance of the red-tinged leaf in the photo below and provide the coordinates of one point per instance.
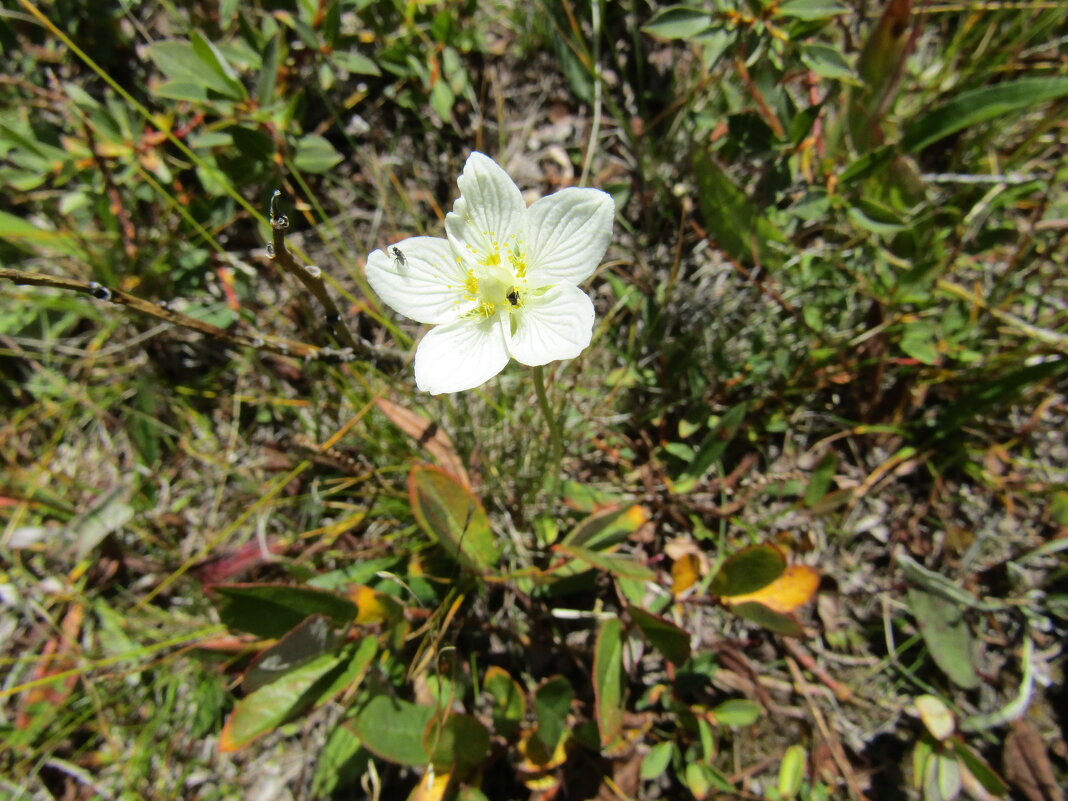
(271, 705)
(454, 518)
(228, 565)
(608, 680)
(55, 659)
(428, 434)
(1028, 766)
(607, 528)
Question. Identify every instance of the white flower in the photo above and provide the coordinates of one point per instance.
(504, 284)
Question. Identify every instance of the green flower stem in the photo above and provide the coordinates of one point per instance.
(555, 441)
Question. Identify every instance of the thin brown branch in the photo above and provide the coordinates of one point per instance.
(309, 275)
(283, 347)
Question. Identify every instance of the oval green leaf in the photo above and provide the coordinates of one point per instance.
(737, 712)
(749, 570)
(263, 710)
(608, 680)
(271, 610)
(457, 744)
(678, 22)
(670, 640)
(393, 729)
(454, 518)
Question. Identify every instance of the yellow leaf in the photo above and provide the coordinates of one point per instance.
(685, 572)
(794, 588)
(374, 606)
(935, 716)
(432, 787)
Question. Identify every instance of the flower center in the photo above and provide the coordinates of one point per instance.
(493, 288)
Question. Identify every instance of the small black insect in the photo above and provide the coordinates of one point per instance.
(99, 291)
(513, 297)
(402, 261)
(333, 319)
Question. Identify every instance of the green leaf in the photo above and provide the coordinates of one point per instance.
(315, 155)
(657, 760)
(353, 673)
(678, 22)
(617, 564)
(182, 90)
(1017, 706)
(947, 636)
(268, 74)
(821, 480)
(870, 219)
(737, 223)
(210, 56)
(778, 622)
(442, 98)
(454, 518)
(394, 729)
(827, 62)
(351, 61)
(182, 63)
(27, 236)
(608, 680)
(552, 702)
(105, 515)
(271, 610)
(607, 528)
(713, 445)
(749, 570)
(509, 700)
(670, 640)
(980, 105)
(702, 779)
(737, 712)
(919, 342)
(792, 771)
(867, 164)
(941, 780)
(261, 711)
(982, 772)
(811, 9)
(309, 640)
(339, 763)
(459, 743)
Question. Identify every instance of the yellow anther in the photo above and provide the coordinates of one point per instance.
(471, 284)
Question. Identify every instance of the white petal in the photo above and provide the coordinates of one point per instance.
(566, 234)
(427, 284)
(556, 325)
(488, 212)
(461, 355)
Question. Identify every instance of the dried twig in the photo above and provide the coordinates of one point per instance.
(829, 737)
(284, 347)
(308, 274)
